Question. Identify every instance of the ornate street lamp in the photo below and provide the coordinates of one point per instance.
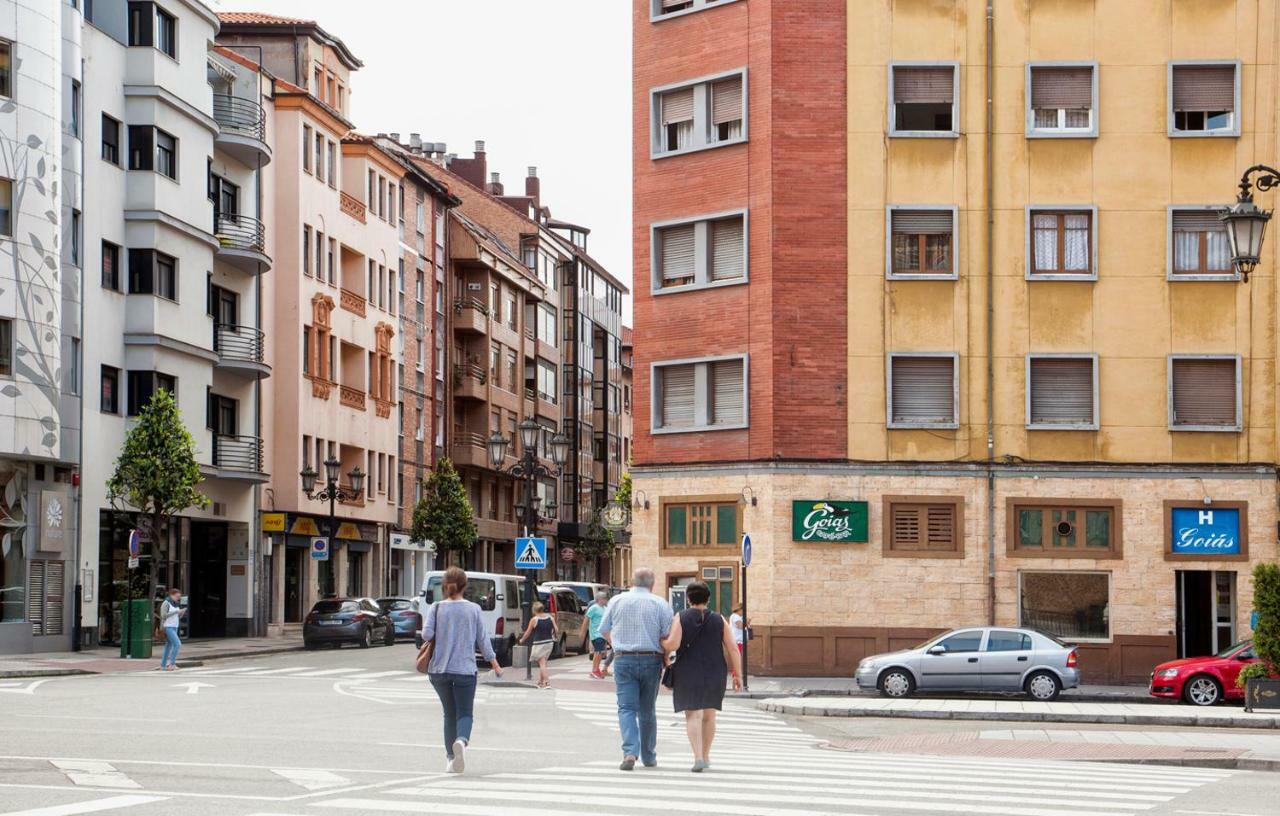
(332, 492)
(1246, 223)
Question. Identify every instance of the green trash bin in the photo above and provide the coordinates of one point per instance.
(135, 633)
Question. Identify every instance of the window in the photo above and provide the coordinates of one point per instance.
(166, 154)
(144, 384)
(922, 242)
(701, 524)
(110, 139)
(6, 347)
(547, 382)
(513, 376)
(110, 390)
(698, 115)
(110, 266)
(1061, 243)
(306, 250)
(153, 149)
(372, 198)
(1203, 99)
(75, 108)
(1062, 392)
(306, 349)
(306, 148)
(1068, 528)
(73, 227)
(141, 24)
(924, 99)
(961, 642)
(1061, 100)
(6, 68)
(1204, 394)
(923, 526)
(1008, 642)
(153, 273)
(317, 83)
(332, 154)
(6, 207)
(700, 395)
(1070, 605)
(924, 391)
(1198, 247)
(166, 32)
(333, 252)
(319, 256)
(547, 324)
(510, 304)
(319, 147)
(710, 251)
(73, 367)
(662, 9)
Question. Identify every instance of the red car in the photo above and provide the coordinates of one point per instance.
(1204, 681)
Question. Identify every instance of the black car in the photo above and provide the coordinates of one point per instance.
(347, 620)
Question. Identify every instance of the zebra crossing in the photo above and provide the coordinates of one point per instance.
(294, 672)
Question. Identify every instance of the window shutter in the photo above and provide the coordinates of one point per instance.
(53, 600)
(677, 106)
(1204, 392)
(923, 390)
(670, 4)
(678, 397)
(905, 527)
(727, 405)
(1204, 87)
(1062, 391)
(677, 248)
(726, 100)
(35, 596)
(941, 527)
(1197, 221)
(922, 222)
(726, 249)
(923, 84)
(1070, 88)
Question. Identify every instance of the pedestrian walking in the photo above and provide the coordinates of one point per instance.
(705, 652)
(454, 631)
(738, 627)
(591, 628)
(170, 614)
(544, 633)
(635, 624)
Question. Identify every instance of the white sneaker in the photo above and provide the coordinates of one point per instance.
(459, 755)
(448, 766)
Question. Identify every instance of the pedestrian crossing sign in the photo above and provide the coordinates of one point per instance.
(532, 553)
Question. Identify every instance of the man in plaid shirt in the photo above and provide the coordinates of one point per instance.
(635, 624)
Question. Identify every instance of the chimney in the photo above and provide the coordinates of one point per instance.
(479, 147)
(395, 137)
(474, 170)
(495, 185)
(415, 142)
(533, 187)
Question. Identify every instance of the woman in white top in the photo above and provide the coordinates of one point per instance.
(170, 613)
(736, 627)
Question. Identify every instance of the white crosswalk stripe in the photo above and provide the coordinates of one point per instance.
(91, 806)
(94, 774)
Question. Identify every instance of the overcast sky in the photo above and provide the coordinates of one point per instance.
(545, 83)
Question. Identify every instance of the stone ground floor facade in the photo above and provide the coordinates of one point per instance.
(1136, 565)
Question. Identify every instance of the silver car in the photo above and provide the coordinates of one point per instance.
(980, 658)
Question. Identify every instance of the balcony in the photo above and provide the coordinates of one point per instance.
(242, 130)
(351, 397)
(470, 381)
(240, 351)
(242, 242)
(469, 450)
(238, 457)
(352, 302)
(353, 207)
(471, 316)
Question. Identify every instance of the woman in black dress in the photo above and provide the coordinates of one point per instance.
(705, 653)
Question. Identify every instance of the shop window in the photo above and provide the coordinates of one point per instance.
(924, 526)
(700, 525)
(1064, 529)
(1070, 605)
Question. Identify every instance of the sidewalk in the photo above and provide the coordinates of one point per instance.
(107, 659)
(769, 687)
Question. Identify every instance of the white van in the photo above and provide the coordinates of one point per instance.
(498, 597)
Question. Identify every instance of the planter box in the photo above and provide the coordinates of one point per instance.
(1261, 695)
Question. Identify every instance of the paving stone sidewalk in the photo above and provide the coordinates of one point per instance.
(108, 660)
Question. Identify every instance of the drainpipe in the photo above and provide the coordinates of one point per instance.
(990, 338)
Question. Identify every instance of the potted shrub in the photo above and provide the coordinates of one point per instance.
(1261, 680)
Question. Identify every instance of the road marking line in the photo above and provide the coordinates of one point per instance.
(471, 748)
(354, 805)
(203, 670)
(178, 764)
(97, 774)
(312, 780)
(327, 672)
(28, 689)
(95, 806)
(375, 675)
(265, 672)
(82, 717)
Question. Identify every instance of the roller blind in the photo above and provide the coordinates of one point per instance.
(1197, 221)
(1204, 392)
(726, 100)
(670, 4)
(1070, 88)
(677, 248)
(1062, 391)
(923, 84)
(726, 249)
(922, 222)
(1204, 87)
(726, 384)
(677, 106)
(923, 390)
(678, 396)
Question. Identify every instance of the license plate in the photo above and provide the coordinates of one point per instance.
(332, 623)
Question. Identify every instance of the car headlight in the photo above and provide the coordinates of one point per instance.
(1167, 673)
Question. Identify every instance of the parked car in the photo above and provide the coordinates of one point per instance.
(1204, 681)
(585, 590)
(404, 614)
(347, 620)
(997, 659)
(562, 602)
(498, 597)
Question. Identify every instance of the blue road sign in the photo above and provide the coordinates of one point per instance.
(746, 550)
(532, 553)
(320, 548)
(135, 543)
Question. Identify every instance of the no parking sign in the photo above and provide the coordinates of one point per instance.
(320, 549)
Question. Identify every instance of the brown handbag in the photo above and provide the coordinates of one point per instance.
(423, 660)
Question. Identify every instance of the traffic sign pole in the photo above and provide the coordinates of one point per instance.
(746, 562)
(531, 556)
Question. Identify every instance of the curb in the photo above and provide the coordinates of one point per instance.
(27, 674)
(801, 693)
(17, 674)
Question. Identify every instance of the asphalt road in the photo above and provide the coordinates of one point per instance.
(357, 732)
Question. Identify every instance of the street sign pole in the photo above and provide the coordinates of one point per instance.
(746, 562)
(531, 556)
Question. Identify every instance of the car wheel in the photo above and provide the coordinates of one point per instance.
(1043, 686)
(390, 638)
(896, 683)
(1202, 690)
(366, 638)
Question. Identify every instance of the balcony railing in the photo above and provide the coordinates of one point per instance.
(240, 116)
(352, 302)
(240, 232)
(239, 344)
(470, 303)
(242, 453)
(353, 207)
(473, 370)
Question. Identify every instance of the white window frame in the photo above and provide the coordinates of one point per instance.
(1170, 275)
(955, 390)
(1231, 132)
(1034, 132)
(1111, 585)
(1029, 242)
(888, 241)
(1062, 426)
(1239, 424)
(701, 114)
(954, 133)
(655, 7)
(700, 393)
(702, 272)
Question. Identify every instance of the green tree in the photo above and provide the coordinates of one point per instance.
(597, 542)
(1266, 637)
(444, 513)
(156, 473)
(624, 490)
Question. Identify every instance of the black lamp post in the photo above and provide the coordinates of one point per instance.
(1246, 223)
(333, 494)
(528, 469)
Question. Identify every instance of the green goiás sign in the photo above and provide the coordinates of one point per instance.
(825, 520)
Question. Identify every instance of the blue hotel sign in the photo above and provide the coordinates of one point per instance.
(1205, 531)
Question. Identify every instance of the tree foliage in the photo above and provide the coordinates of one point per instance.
(1266, 637)
(444, 513)
(624, 490)
(598, 541)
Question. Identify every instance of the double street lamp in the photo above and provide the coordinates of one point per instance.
(333, 493)
(1245, 222)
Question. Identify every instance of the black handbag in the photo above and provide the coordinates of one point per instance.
(668, 673)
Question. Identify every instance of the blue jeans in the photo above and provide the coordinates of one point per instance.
(171, 643)
(637, 678)
(457, 693)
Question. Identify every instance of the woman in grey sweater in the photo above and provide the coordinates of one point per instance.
(455, 626)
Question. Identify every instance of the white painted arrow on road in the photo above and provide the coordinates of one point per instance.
(18, 688)
(194, 687)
